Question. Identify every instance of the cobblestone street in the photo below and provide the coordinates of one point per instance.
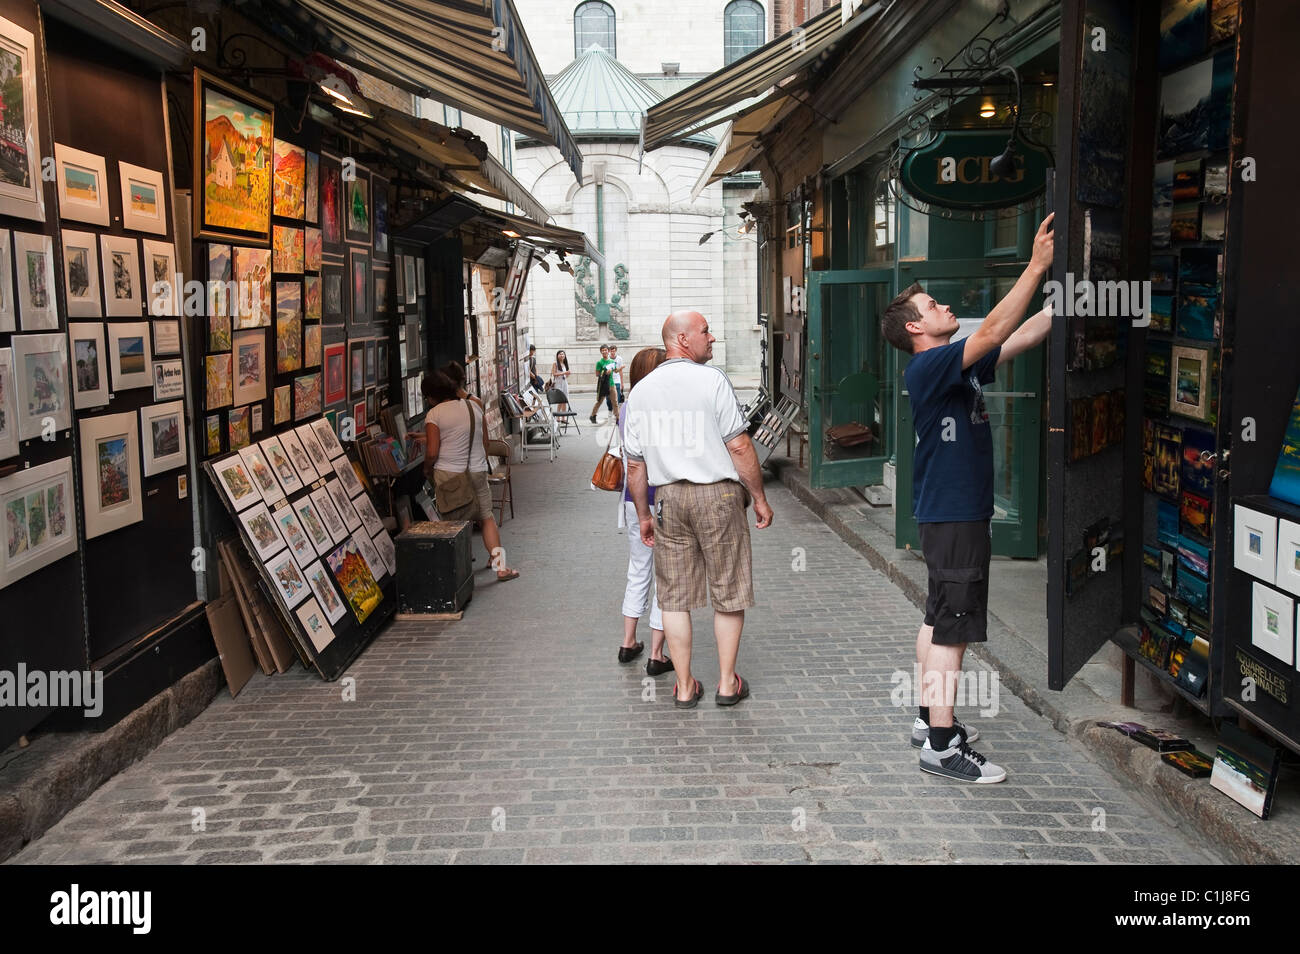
(515, 735)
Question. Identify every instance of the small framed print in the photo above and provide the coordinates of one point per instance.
(323, 586)
(359, 415)
(257, 419)
(311, 443)
(357, 208)
(163, 283)
(144, 201)
(120, 259)
(281, 465)
(411, 279)
(333, 294)
(263, 531)
(381, 360)
(167, 337)
(384, 544)
(298, 454)
(347, 476)
(312, 186)
(8, 313)
(34, 256)
(1287, 572)
(306, 396)
(1189, 382)
(239, 429)
(370, 363)
(41, 383)
(379, 194)
(313, 523)
(289, 583)
(259, 470)
(21, 183)
(89, 371)
(372, 405)
(283, 403)
(252, 270)
(378, 568)
(329, 515)
(168, 379)
(39, 522)
(336, 373)
(129, 355)
(212, 434)
(1272, 622)
(369, 518)
(235, 479)
(110, 473)
(217, 390)
(249, 365)
(315, 624)
(359, 269)
(329, 441)
(82, 178)
(8, 406)
(380, 296)
(1255, 537)
(81, 274)
(357, 377)
(338, 493)
(286, 518)
(288, 249)
(162, 437)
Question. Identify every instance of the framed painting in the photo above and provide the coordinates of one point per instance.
(110, 473)
(144, 199)
(218, 391)
(163, 282)
(81, 274)
(370, 363)
(82, 179)
(357, 376)
(283, 404)
(359, 269)
(357, 209)
(41, 379)
(120, 257)
(253, 281)
(323, 587)
(315, 624)
(162, 436)
(379, 190)
(336, 376)
(331, 203)
(34, 256)
(239, 427)
(289, 583)
(290, 170)
(311, 186)
(381, 294)
(1189, 382)
(311, 345)
(262, 531)
(237, 481)
(280, 463)
(258, 426)
(333, 299)
(329, 441)
(311, 304)
(287, 249)
(314, 524)
(8, 311)
(372, 406)
(89, 373)
(355, 579)
(8, 406)
(288, 326)
(259, 470)
(381, 360)
(21, 192)
(249, 358)
(129, 354)
(233, 145)
(223, 296)
(359, 414)
(306, 396)
(39, 523)
(212, 434)
(311, 249)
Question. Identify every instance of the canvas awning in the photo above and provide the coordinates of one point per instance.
(552, 237)
(739, 143)
(470, 54)
(715, 98)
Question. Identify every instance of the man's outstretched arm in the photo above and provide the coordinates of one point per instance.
(1008, 313)
(1029, 335)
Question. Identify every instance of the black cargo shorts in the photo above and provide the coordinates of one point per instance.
(957, 556)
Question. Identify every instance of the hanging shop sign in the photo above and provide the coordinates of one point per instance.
(957, 170)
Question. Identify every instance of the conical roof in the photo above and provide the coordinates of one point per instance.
(601, 98)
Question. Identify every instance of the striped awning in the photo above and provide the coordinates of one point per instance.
(470, 54)
(739, 143)
(716, 97)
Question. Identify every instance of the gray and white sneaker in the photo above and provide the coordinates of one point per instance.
(960, 762)
(921, 732)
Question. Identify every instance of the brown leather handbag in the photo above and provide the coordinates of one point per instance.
(849, 435)
(609, 472)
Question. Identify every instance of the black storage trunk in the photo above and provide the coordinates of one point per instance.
(435, 573)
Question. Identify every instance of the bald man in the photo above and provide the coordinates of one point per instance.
(685, 435)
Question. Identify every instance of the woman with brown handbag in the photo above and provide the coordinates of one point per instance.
(455, 462)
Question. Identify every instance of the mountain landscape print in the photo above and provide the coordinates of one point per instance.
(237, 155)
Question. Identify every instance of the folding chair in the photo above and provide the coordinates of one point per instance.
(541, 420)
(555, 396)
(773, 425)
(499, 478)
(523, 417)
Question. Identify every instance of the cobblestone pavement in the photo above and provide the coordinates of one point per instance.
(515, 735)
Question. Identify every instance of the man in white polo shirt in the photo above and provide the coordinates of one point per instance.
(685, 435)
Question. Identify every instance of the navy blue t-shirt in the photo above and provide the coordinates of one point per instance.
(952, 480)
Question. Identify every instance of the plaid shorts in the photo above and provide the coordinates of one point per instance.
(704, 540)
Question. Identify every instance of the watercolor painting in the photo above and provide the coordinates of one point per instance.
(311, 182)
(283, 403)
(312, 297)
(235, 154)
(287, 249)
(253, 275)
(355, 579)
(290, 171)
(307, 396)
(312, 248)
(220, 392)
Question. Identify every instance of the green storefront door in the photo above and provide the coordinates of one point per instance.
(1014, 402)
(848, 368)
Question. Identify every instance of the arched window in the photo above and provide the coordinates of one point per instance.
(594, 23)
(743, 29)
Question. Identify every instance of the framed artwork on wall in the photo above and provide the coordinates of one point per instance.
(1189, 382)
(34, 258)
(239, 427)
(162, 436)
(219, 391)
(311, 186)
(249, 366)
(129, 355)
(41, 379)
(1255, 536)
(357, 210)
(253, 275)
(8, 405)
(336, 373)
(144, 199)
(123, 297)
(314, 622)
(380, 297)
(311, 346)
(1272, 622)
(83, 185)
(331, 203)
(233, 145)
(110, 473)
(312, 249)
(306, 396)
(81, 274)
(287, 249)
(1287, 568)
(334, 299)
(212, 433)
(357, 376)
(259, 470)
(359, 269)
(8, 311)
(289, 192)
(21, 192)
(38, 521)
(89, 371)
(283, 403)
(288, 326)
(311, 304)
(223, 296)
(163, 282)
(379, 189)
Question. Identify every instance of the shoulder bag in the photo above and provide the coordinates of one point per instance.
(609, 472)
(455, 496)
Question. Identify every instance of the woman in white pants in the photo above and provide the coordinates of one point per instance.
(640, 558)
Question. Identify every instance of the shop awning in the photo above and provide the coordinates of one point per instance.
(739, 143)
(470, 54)
(460, 155)
(552, 237)
(713, 99)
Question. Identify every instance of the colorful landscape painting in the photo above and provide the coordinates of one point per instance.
(237, 147)
(130, 354)
(1182, 31)
(290, 170)
(331, 201)
(283, 399)
(15, 169)
(358, 210)
(312, 254)
(240, 428)
(287, 245)
(253, 277)
(219, 297)
(311, 297)
(311, 181)
(219, 389)
(307, 396)
(288, 326)
(311, 346)
(81, 184)
(114, 478)
(355, 579)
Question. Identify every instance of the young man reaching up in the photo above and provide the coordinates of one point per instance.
(952, 489)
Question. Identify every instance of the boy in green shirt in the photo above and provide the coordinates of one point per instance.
(604, 374)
